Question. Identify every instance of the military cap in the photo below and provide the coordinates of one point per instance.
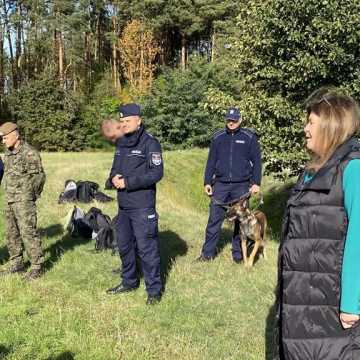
(7, 128)
(233, 114)
(129, 110)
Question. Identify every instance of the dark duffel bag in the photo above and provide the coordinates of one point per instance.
(86, 191)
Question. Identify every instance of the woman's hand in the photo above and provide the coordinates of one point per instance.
(348, 320)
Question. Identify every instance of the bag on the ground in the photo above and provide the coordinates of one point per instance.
(76, 225)
(103, 230)
(82, 191)
(101, 197)
(92, 225)
(86, 191)
(69, 193)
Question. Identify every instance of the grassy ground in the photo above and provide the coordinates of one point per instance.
(209, 311)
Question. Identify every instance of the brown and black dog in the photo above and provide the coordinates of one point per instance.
(252, 226)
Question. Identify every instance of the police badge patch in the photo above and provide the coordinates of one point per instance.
(156, 159)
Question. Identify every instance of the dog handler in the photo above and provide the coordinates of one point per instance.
(137, 167)
(318, 298)
(233, 168)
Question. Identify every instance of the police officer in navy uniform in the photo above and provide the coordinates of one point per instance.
(137, 167)
(233, 169)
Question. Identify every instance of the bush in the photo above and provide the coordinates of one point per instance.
(174, 111)
(284, 50)
(47, 116)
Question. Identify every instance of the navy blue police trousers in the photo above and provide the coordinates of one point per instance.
(137, 234)
(223, 193)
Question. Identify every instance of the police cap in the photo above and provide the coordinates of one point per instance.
(129, 110)
(233, 114)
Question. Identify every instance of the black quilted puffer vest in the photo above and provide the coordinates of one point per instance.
(310, 263)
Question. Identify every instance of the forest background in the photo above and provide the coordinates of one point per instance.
(65, 65)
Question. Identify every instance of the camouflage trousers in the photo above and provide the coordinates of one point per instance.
(21, 220)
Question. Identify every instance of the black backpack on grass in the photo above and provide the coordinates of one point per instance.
(77, 226)
(103, 230)
(86, 191)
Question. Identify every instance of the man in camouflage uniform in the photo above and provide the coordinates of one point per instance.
(24, 180)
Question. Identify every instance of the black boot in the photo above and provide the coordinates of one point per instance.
(120, 289)
(14, 269)
(33, 274)
(153, 299)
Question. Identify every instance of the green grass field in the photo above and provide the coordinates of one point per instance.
(216, 310)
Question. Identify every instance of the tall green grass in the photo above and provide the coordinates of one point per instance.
(216, 310)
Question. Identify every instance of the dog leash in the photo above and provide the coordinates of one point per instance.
(228, 204)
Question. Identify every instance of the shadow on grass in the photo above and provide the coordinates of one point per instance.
(171, 247)
(51, 231)
(270, 338)
(226, 236)
(4, 255)
(67, 355)
(57, 249)
(274, 206)
(4, 351)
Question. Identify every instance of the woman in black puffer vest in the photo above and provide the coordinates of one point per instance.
(313, 325)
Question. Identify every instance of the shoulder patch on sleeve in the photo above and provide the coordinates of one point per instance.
(156, 158)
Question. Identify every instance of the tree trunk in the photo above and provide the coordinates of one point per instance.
(183, 52)
(88, 65)
(18, 45)
(36, 60)
(115, 70)
(74, 82)
(98, 38)
(61, 59)
(162, 52)
(213, 45)
(2, 75)
(55, 49)
(13, 65)
(26, 54)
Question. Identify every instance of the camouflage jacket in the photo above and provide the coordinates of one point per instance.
(24, 175)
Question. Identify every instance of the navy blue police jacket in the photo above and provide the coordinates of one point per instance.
(138, 160)
(234, 157)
